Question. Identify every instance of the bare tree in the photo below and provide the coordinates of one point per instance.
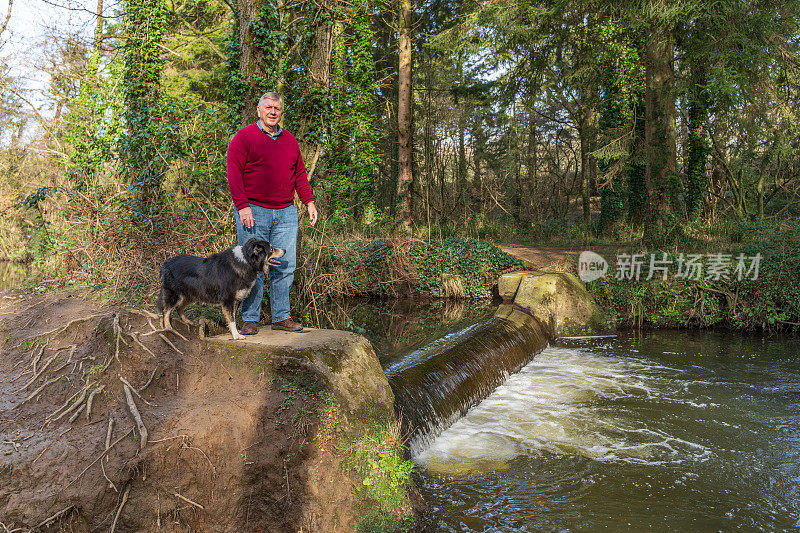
(405, 179)
(8, 17)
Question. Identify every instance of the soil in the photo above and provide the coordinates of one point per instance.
(230, 447)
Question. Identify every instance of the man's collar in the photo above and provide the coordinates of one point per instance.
(277, 132)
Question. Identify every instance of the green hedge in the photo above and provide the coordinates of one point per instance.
(771, 302)
(452, 267)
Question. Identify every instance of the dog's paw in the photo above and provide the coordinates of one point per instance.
(237, 336)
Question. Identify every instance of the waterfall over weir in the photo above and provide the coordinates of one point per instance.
(438, 383)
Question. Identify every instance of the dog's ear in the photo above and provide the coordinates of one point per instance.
(259, 250)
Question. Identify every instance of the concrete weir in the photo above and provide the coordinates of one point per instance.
(436, 384)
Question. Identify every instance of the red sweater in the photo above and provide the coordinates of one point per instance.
(266, 171)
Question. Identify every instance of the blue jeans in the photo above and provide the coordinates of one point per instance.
(279, 227)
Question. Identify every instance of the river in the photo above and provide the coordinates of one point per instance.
(664, 431)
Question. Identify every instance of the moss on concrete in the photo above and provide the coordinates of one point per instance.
(344, 363)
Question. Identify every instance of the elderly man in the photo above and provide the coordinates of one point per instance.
(264, 171)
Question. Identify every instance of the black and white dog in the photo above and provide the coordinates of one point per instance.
(224, 278)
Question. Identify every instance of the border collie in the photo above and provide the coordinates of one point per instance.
(224, 278)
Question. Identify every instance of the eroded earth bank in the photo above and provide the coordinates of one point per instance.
(290, 432)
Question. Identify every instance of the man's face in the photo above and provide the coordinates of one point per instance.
(270, 112)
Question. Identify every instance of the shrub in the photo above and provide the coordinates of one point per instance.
(450, 267)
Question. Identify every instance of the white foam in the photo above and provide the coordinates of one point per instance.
(562, 403)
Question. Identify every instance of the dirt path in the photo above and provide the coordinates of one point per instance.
(553, 258)
(545, 258)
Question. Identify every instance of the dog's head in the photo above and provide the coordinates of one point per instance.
(261, 254)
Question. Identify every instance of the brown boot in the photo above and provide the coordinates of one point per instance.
(249, 327)
(288, 325)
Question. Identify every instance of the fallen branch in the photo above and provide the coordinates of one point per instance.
(119, 509)
(137, 417)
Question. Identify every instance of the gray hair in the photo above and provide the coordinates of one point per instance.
(270, 96)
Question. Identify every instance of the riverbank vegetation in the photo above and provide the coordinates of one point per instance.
(428, 130)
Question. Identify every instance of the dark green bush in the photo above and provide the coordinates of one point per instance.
(452, 267)
(770, 302)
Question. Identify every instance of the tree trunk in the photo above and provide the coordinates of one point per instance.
(636, 168)
(319, 81)
(587, 128)
(249, 61)
(660, 134)
(405, 179)
(697, 153)
(532, 161)
(98, 30)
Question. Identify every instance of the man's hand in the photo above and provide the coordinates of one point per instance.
(312, 213)
(246, 216)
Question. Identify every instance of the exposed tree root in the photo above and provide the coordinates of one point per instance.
(119, 509)
(143, 313)
(109, 432)
(108, 448)
(108, 445)
(136, 339)
(170, 343)
(38, 356)
(164, 330)
(90, 399)
(68, 403)
(136, 416)
(57, 330)
(126, 382)
(149, 381)
(35, 393)
(46, 365)
(187, 500)
(188, 446)
(117, 336)
(53, 518)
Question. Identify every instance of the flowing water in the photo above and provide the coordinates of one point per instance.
(436, 384)
(663, 431)
(667, 431)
